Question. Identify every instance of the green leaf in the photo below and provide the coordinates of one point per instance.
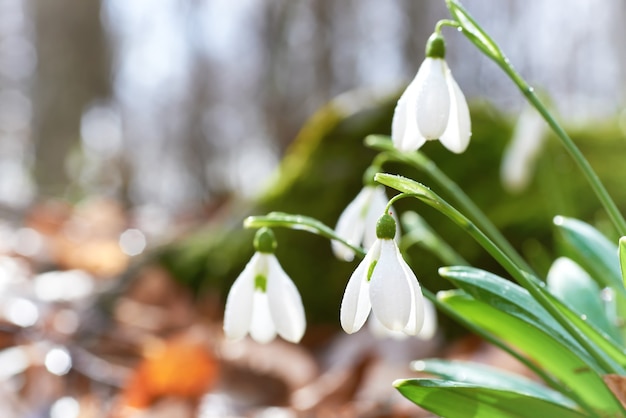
(453, 399)
(572, 285)
(557, 357)
(603, 341)
(622, 258)
(489, 377)
(592, 250)
(511, 298)
(474, 32)
(297, 222)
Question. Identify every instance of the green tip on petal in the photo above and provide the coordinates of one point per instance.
(386, 227)
(436, 46)
(260, 283)
(265, 241)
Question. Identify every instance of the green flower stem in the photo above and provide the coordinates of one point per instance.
(423, 163)
(472, 30)
(446, 22)
(531, 283)
(298, 222)
(487, 336)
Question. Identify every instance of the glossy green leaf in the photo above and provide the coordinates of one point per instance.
(453, 399)
(622, 258)
(555, 356)
(473, 31)
(297, 222)
(592, 250)
(606, 344)
(489, 377)
(509, 297)
(571, 284)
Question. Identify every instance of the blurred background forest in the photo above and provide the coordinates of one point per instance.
(126, 121)
(172, 105)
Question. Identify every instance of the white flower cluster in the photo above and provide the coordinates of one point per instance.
(264, 302)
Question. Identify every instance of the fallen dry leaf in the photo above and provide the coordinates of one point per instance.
(617, 384)
(181, 368)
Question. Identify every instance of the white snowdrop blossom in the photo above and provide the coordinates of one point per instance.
(429, 327)
(263, 301)
(357, 222)
(432, 107)
(384, 284)
(518, 161)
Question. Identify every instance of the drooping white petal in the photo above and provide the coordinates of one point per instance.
(458, 130)
(429, 328)
(404, 132)
(351, 225)
(262, 327)
(285, 304)
(433, 99)
(390, 293)
(416, 317)
(378, 330)
(518, 161)
(238, 311)
(355, 305)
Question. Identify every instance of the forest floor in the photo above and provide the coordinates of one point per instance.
(87, 330)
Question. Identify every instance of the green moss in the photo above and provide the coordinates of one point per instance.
(322, 172)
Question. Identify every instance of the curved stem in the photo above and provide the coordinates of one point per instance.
(446, 22)
(596, 184)
(423, 163)
(474, 32)
(531, 283)
(299, 222)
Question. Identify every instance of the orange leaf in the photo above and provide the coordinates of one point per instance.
(179, 368)
(617, 384)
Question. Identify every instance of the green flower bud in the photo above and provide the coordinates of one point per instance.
(265, 241)
(386, 227)
(436, 46)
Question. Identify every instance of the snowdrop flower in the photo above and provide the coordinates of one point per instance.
(432, 107)
(263, 300)
(384, 284)
(518, 161)
(429, 328)
(356, 223)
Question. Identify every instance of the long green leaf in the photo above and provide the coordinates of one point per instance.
(298, 222)
(622, 258)
(496, 291)
(615, 351)
(489, 377)
(592, 250)
(555, 356)
(453, 399)
(509, 297)
(573, 285)
(416, 190)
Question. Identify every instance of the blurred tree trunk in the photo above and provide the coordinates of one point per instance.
(73, 71)
(418, 27)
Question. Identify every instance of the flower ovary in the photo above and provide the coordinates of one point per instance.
(436, 46)
(386, 227)
(265, 241)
